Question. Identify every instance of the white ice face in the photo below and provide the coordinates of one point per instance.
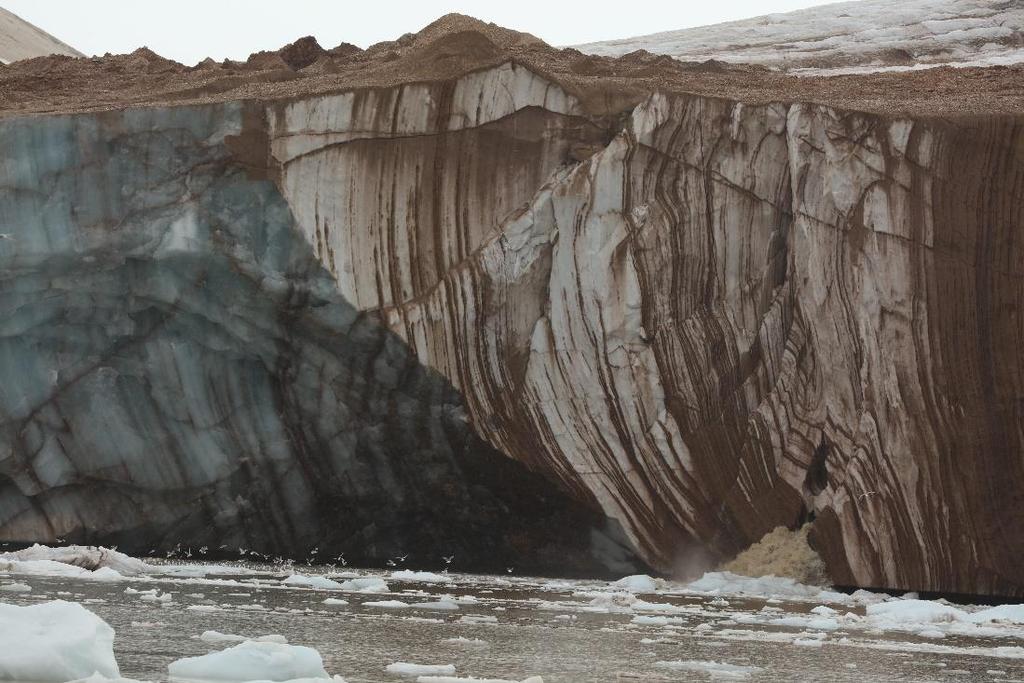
(871, 35)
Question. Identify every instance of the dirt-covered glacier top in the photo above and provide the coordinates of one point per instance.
(455, 45)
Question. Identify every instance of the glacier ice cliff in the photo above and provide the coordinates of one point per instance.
(489, 310)
(178, 367)
(730, 318)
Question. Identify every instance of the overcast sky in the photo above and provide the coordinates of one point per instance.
(190, 30)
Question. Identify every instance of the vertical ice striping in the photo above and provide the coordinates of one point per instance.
(410, 174)
(727, 318)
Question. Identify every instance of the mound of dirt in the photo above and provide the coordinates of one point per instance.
(456, 44)
(301, 53)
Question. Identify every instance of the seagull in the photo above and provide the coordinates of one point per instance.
(391, 563)
(314, 551)
(202, 551)
(402, 557)
(862, 496)
(242, 551)
(509, 569)
(5, 236)
(448, 559)
(341, 559)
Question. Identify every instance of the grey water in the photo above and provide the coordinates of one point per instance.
(536, 632)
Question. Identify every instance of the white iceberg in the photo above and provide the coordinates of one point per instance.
(407, 669)
(421, 577)
(85, 557)
(915, 611)
(365, 584)
(318, 582)
(16, 588)
(1007, 614)
(444, 604)
(716, 670)
(106, 574)
(462, 641)
(54, 641)
(470, 679)
(387, 604)
(638, 583)
(252, 661)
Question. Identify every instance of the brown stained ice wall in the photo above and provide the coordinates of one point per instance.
(709, 300)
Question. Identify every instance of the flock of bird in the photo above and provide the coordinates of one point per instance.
(185, 552)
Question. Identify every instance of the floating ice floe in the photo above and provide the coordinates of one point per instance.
(779, 587)
(932, 619)
(54, 641)
(478, 619)
(420, 577)
(1004, 614)
(915, 611)
(338, 602)
(638, 583)
(462, 641)
(218, 637)
(716, 670)
(318, 582)
(365, 584)
(470, 679)
(442, 604)
(89, 558)
(935, 619)
(53, 568)
(16, 588)
(252, 661)
(655, 620)
(387, 604)
(408, 669)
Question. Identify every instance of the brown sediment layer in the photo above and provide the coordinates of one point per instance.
(456, 44)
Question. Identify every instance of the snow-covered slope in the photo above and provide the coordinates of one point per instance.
(851, 36)
(21, 40)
